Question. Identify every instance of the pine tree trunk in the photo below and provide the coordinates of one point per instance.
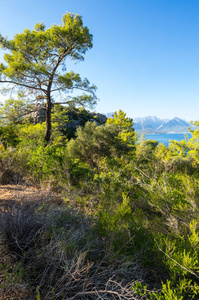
(48, 119)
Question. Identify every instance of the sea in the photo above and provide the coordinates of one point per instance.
(166, 137)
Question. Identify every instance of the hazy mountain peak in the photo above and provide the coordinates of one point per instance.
(152, 124)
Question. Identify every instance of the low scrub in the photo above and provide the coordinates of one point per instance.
(64, 258)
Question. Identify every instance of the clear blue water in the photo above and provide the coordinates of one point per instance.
(164, 138)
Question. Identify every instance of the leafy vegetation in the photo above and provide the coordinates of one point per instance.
(35, 63)
(137, 201)
(128, 227)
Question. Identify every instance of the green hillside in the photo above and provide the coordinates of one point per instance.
(120, 216)
(128, 223)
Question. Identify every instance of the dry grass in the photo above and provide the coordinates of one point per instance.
(12, 285)
(62, 255)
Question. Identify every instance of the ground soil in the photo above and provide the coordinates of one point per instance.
(10, 286)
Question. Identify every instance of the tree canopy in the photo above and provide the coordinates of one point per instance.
(125, 126)
(93, 142)
(36, 63)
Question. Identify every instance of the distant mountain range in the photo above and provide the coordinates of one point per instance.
(155, 125)
(152, 124)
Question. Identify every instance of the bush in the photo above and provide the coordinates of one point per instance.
(63, 256)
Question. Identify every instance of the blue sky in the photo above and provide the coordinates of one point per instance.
(145, 55)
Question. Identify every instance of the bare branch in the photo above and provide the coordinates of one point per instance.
(23, 84)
